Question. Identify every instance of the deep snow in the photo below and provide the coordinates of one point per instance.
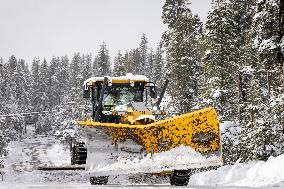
(254, 174)
(24, 156)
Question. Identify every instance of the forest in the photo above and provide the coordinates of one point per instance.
(233, 62)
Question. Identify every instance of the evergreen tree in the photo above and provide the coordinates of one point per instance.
(95, 69)
(181, 42)
(263, 139)
(63, 78)
(223, 46)
(87, 66)
(158, 66)
(43, 87)
(143, 67)
(103, 65)
(34, 92)
(150, 63)
(119, 65)
(75, 76)
(21, 91)
(53, 82)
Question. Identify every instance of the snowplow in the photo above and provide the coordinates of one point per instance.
(130, 133)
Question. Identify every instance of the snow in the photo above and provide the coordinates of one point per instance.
(151, 117)
(35, 150)
(128, 76)
(216, 93)
(182, 157)
(252, 174)
(247, 70)
(267, 44)
(282, 45)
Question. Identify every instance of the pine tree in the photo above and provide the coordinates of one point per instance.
(95, 69)
(22, 80)
(143, 67)
(43, 87)
(223, 46)
(158, 65)
(181, 42)
(53, 82)
(87, 66)
(75, 76)
(263, 139)
(63, 78)
(150, 63)
(35, 82)
(103, 65)
(119, 65)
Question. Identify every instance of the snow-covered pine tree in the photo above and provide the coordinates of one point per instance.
(95, 68)
(119, 65)
(11, 85)
(34, 91)
(150, 63)
(222, 45)
(131, 61)
(2, 92)
(75, 77)
(158, 66)
(264, 138)
(135, 61)
(63, 78)
(103, 64)
(53, 82)
(181, 47)
(143, 67)
(22, 81)
(43, 87)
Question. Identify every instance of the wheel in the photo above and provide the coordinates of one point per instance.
(78, 154)
(102, 180)
(180, 177)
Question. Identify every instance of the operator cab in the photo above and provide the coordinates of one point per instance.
(118, 94)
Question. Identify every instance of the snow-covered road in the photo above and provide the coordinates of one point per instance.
(33, 151)
(20, 166)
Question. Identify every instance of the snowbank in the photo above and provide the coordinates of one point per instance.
(254, 174)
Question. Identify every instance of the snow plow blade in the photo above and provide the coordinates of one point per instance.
(187, 141)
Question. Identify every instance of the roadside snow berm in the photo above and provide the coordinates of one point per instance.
(129, 133)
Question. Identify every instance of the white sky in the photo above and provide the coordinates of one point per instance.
(46, 28)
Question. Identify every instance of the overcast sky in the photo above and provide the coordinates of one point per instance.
(46, 28)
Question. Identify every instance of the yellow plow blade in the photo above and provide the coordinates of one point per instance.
(198, 130)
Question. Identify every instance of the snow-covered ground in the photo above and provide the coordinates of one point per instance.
(253, 174)
(20, 166)
(33, 151)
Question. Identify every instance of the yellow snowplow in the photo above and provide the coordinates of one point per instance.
(129, 133)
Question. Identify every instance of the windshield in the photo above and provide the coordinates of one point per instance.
(122, 95)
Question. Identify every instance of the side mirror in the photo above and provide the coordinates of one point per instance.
(86, 93)
(153, 92)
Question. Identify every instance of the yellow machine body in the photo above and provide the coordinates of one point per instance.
(131, 136)
(198, 130)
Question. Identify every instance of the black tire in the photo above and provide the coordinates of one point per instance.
(79, 154)
(102, 180)
(180, 177)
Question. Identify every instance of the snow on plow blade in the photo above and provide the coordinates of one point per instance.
(188, 141)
